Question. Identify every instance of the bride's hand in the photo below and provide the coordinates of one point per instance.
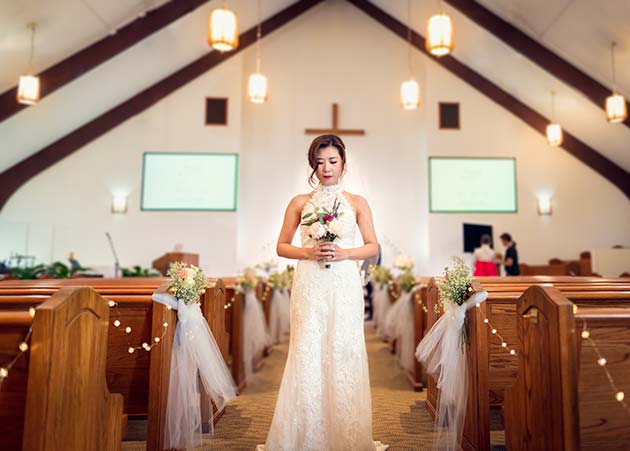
(321, 251)
(338, 253)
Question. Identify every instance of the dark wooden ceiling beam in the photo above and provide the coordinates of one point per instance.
(579, 149)
(17, 175)
(536, 52)
(88, 58)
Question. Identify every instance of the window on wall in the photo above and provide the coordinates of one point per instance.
(449, 116)
(216, 111)
(472, 185)
(189, 181)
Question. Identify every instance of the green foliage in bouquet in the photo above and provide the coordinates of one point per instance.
(138, 271)
(406, 281)
(380, 274)
(248, 280)
(187, 283)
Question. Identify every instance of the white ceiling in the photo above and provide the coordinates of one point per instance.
(578, 30)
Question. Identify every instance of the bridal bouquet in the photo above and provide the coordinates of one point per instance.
(187, 283)
(323, 223)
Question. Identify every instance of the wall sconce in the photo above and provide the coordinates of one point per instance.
(544, 205)
(119, 203)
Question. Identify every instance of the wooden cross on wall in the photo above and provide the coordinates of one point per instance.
(335, 130)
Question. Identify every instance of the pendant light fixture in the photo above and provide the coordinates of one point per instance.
(554, 131)
(409, 90)
(616, 110)
(439, 41)
(257, 85)
(28, 86)
(223, 29)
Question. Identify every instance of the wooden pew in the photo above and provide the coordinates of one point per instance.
(234, 331)
(491, 368)
(562, 399)
(60, 376)
(141, 377)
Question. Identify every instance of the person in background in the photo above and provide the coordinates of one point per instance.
(510, 262)
(484, 259)
(74, 263)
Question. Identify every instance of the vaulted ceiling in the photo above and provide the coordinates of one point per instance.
(579, 31)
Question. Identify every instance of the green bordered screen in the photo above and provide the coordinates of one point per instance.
(472, 185)
(189, 181)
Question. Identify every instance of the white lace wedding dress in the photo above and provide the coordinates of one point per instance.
(324, 401)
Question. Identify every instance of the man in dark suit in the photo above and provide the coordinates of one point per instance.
(510, 262)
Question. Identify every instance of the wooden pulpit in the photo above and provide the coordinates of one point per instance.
(162, 263)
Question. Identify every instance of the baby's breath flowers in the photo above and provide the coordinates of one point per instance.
(187, 283)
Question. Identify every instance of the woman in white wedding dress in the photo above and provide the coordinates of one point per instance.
(324, 402)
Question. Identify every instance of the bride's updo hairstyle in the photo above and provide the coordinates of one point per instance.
(321, 142)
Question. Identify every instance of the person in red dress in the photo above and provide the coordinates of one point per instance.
(484, 259)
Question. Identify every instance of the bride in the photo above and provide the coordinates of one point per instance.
(324, 401)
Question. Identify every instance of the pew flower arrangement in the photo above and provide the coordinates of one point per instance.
(195, 356)
(404, 263)
(323, 224)
(248, 281)
(455, 287)
(380, 274)
(187, 283)
(443, 352)
(406, 281)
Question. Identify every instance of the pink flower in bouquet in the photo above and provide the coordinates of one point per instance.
(328, 218)
(317, 231)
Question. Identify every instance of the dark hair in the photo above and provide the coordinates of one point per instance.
(321, 142)
(506, 237)
(485, 239)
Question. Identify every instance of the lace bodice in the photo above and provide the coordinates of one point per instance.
(324, 196)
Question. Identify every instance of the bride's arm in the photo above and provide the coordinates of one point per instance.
(366, 227)
(291, 223)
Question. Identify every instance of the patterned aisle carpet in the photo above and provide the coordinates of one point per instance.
(399, 415)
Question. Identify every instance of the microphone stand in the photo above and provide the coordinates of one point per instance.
(116, 264)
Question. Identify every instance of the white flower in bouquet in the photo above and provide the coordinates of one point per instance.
(317, 231)
(335, 227)
(404, 263)
(187, 282)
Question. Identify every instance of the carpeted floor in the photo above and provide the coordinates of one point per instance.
(399, 415)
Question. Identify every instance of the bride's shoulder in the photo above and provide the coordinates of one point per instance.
(299, 201)
(358, 202)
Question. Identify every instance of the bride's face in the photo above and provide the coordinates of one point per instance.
(329, 166)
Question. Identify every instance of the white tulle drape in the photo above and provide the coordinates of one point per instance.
(399, 325)
(380, 307)
(195, 356)
(445, 359)
(255, 333)
(279, 315)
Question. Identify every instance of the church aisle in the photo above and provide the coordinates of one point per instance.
(399, 415)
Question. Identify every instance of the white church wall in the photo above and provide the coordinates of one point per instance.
(67, 207)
